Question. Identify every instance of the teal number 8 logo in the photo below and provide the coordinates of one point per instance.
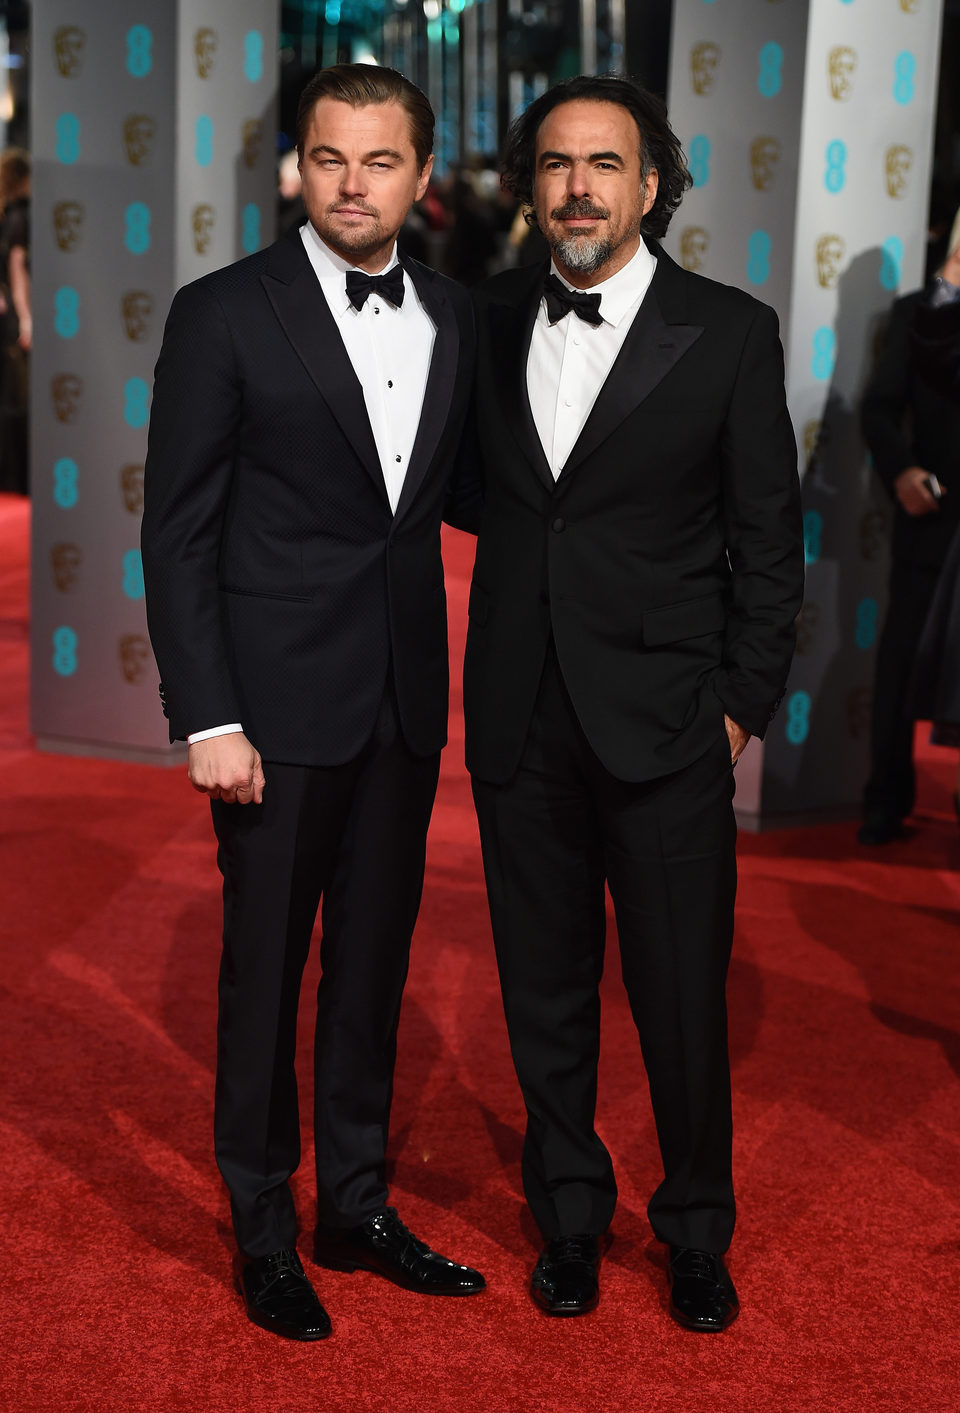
(66, 306)
(798, 718)
(65, 474)
(68, 138)
(135, 406)
(64, 651)
(139, 51)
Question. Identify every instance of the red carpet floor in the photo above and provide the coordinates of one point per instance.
(116, 1294)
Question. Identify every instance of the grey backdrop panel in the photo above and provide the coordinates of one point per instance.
(809, 130)
(153, 132)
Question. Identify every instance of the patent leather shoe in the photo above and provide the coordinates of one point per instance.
(879, 829)
(702, 1296)
(279, 1297)
(566, 1278)
(384, 1245)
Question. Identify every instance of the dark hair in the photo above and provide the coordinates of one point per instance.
(659, 145)
(362, 84)
(14, 171)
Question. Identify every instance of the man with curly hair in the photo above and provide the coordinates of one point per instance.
(638, 573)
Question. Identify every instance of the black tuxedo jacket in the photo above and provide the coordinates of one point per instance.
(280, 586)
(907, 421)
(666, 561)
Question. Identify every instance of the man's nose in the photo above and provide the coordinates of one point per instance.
(353, 179)
(578, 179)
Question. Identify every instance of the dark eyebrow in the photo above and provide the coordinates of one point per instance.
(324, 148)
(594, 157)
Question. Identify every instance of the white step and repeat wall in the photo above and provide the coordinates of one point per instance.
(153, 138)
(809, 131)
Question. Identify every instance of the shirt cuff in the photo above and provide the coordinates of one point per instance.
(196, 736)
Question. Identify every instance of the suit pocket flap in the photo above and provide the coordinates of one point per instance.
(478, 605)
(677, 621)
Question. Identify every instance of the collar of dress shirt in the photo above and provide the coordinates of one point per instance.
(622, 290)
(331, 268)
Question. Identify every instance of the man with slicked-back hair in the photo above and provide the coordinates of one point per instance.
(632, 610)
(307, 412)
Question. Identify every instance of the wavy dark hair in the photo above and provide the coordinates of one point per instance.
(659, 145)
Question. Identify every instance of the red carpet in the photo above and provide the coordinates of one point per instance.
(116, 1291)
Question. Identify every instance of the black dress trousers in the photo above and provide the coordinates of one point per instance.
(551, 836)
(353, 835)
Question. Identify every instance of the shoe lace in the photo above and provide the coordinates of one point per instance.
(411, 1246)
(278, 1270)
(573, 1248)
(690, 1262)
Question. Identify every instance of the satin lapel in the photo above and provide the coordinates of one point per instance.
(441, 379)
(652, 347)
(294, 291)
(511, 330)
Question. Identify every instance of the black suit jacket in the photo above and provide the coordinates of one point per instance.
(908, 422)
(280, 586)
(666, 560)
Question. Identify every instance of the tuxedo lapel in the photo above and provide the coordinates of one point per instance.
(441, 379)
(657, 340)
(298, 301)
(511, 331)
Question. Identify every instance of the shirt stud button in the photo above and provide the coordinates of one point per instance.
(389, 382)
(398, 458)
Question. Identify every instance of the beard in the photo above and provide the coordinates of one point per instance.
(585, 253)
(359, 241)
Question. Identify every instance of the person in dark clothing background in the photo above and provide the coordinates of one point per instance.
(913, 431)
(16, 326)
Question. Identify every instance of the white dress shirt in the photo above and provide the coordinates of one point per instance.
(569, 361)
(390, 351)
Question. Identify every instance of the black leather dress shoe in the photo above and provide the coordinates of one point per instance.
(384, 1245)
(565, 1280)
(702, 1296)
(279, 1297)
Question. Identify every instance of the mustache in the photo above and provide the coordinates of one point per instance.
(581, 206)
(352, 206)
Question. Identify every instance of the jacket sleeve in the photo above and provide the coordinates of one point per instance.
(763, 529)
(195, 417)
(886, 401)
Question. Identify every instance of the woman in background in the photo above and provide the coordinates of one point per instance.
(16, 322)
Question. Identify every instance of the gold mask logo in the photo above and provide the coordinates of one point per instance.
(133, 651)
(858, 712)
(704, 59)
(65, 561)
(830, 250)
(139, 130)
(131, 488)
(764, 156)
(69, 42)
(873, 535)
(807, 620)
(251, 135)
(201, 220)
(66, 390)
(694, 241)
(204, 50)
(136, 306)
(897, 162)
(811, 440)
(67, 224)
(909, 7)
(841, 66)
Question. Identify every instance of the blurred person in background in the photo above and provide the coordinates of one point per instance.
(935, 345)
(16, 321)
(912, 428)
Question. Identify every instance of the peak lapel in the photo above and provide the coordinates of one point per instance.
(511, 331)
(657, 340)
(441, 379)
(299, 303)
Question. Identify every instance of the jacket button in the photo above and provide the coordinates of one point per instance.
(559, 524)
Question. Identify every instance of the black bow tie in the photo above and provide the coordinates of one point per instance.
(389, 286)
(561, 300)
